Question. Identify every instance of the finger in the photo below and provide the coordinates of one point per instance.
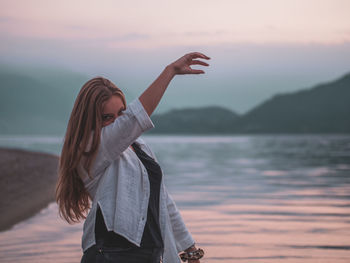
(198, 62)
(196, 71)
(198, 55)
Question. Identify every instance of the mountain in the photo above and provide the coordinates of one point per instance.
(324, 108)
(36, 104)
(195, 120)
(37, 100)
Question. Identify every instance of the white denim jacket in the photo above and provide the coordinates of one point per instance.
(120, 186)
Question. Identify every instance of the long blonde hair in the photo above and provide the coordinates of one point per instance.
(86, 118)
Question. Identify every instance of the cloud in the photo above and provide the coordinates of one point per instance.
(6, 19)
(131, 37)
(205, 33)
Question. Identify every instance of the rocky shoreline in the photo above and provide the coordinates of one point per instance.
(27, 181)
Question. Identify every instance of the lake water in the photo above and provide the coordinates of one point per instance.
(263, 198)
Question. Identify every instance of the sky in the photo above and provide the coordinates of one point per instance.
(258, 47)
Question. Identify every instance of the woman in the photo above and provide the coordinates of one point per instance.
(107, 172)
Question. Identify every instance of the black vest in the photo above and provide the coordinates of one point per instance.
(151, 237)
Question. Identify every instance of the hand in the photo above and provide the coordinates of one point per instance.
(182, 65)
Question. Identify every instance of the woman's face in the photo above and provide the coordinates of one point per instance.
(112, 109)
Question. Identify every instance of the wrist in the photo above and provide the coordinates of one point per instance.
(191, 248)
(170, 69)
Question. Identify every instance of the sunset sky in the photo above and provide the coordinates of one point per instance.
(258, 48)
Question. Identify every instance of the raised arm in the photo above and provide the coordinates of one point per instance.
(152, 95)
(117, 136)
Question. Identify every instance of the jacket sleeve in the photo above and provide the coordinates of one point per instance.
(119, 135)
(182, 236)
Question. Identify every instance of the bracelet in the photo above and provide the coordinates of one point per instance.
(193, 255)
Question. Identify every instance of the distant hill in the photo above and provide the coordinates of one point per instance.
(324, 108)
(36, 104)
(37, 100)
(195, 120)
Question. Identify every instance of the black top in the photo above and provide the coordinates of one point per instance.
(151, 236)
